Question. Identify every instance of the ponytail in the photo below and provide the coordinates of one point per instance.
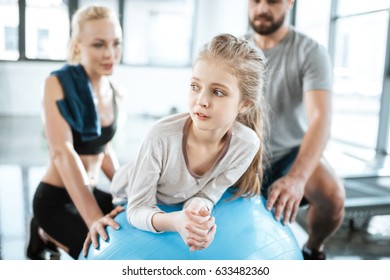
(247, 62)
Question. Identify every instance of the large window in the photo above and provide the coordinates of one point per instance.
(312, 18)
(359, 56)
(158, 32)
(354, 7)
(358, 76)
(9, 23)
(357, 45)
(47, 29)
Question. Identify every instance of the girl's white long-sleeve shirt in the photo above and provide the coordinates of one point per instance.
(160, 173)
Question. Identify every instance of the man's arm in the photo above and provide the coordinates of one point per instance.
(318, 107)
(287, 192)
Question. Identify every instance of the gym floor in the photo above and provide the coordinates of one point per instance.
(364, 234)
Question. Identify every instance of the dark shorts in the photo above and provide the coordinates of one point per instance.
(277, 170)
(57, 215)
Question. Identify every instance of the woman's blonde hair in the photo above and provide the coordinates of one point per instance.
(247, 63)
(93, 12)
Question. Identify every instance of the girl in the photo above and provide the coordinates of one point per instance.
(80, 113)
(194, 157)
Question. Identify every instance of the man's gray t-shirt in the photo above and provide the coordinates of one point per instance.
(296, 65)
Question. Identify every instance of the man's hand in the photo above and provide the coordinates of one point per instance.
(285, 194)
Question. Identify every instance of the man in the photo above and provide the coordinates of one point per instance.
(299, 93)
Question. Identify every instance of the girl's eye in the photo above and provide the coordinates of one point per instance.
(194, 87)
(98, 45)
(219, 93)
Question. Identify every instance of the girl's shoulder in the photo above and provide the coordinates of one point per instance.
(170, 125)
(244, 135)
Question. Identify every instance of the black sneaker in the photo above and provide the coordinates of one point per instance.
(312, 254)
(36, 247)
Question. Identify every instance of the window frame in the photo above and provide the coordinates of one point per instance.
(73, 5)
(382, 141)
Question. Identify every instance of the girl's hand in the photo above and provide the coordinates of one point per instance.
(197, 206)
(200, 228)
(98, 228)
(201, 234)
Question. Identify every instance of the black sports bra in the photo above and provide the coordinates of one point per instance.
(96, 146)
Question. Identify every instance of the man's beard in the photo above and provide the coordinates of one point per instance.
(267, 30)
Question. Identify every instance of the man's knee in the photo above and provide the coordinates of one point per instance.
(326, 190)
(337, 197)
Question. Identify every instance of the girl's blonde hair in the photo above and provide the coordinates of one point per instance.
(93, 12)
(247, 63)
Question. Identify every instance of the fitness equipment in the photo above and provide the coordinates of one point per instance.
(246, 230)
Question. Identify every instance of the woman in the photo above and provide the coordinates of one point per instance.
(80, 115)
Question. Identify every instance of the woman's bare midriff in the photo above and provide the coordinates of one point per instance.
(92, 165)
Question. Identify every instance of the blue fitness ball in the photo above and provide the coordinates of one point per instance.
(245, 231)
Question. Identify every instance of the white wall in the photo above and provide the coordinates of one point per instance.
(149, 90)
(21, 86)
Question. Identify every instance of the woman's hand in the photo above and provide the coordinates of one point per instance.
(98, 228)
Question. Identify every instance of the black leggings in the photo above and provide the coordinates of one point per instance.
(57, 215)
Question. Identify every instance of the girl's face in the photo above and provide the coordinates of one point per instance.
(214, 99)
(99, 45)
